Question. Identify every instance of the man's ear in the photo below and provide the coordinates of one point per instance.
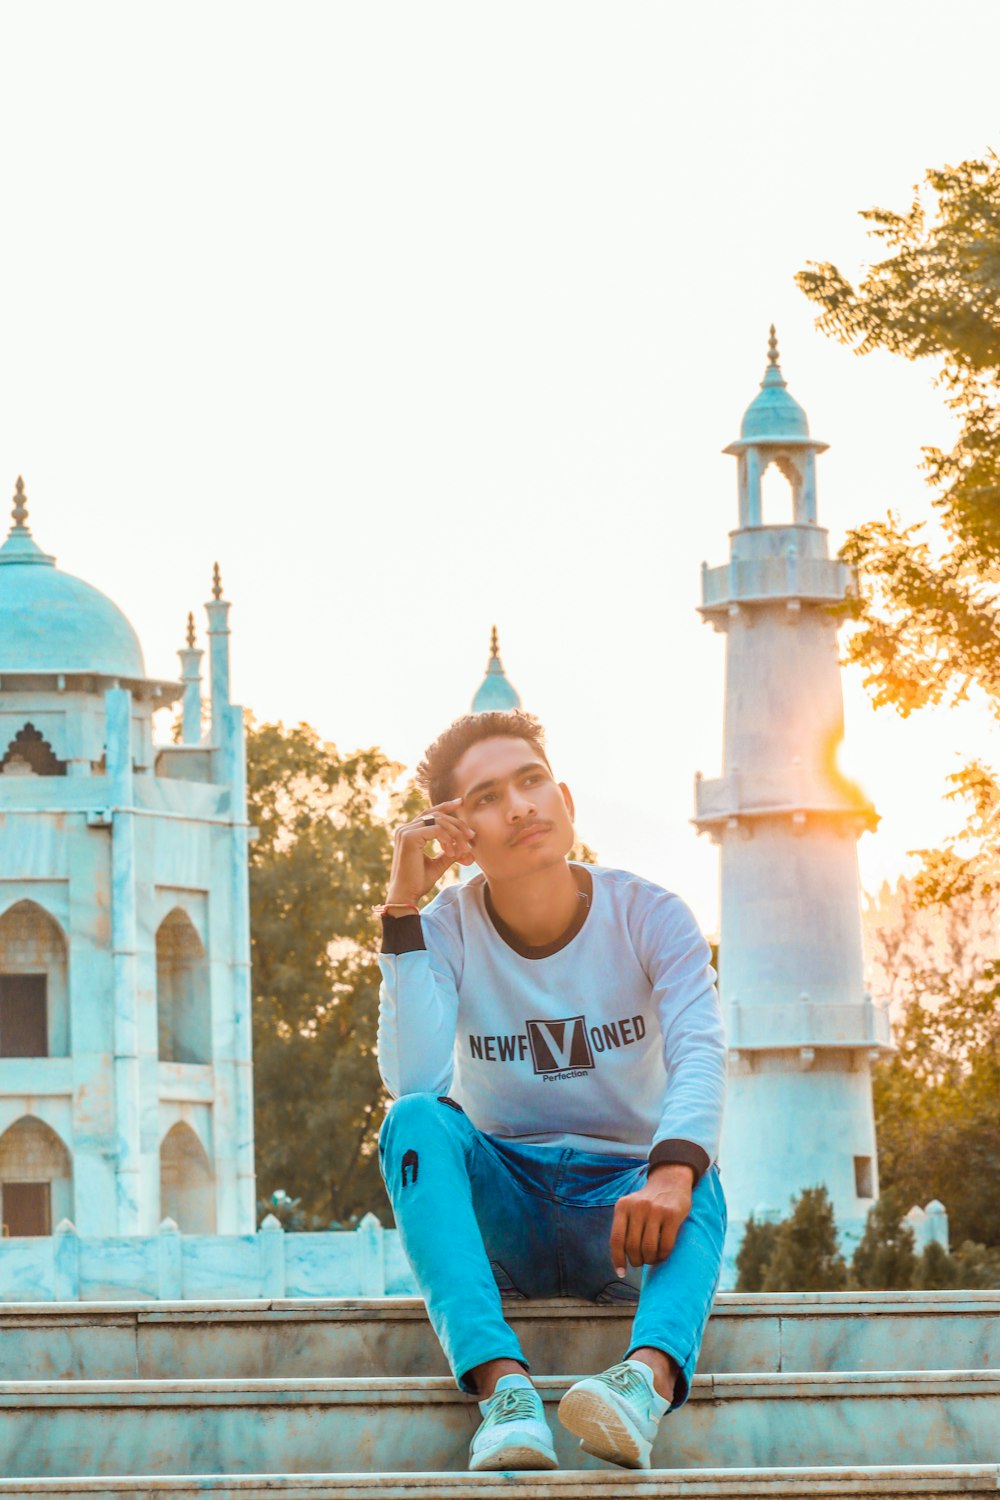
(567, 797)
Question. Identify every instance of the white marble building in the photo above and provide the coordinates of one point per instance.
(125, 1066)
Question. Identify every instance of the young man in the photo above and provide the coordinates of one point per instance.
(551, 1034)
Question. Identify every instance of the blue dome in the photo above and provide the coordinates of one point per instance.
(53, 622)
(495, 693)
(773, 414)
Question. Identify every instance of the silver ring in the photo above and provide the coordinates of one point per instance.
(429, 821)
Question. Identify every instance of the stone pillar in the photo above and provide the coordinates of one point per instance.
(125, 1038)
(234, 753)
(190, 658)
(218, 646)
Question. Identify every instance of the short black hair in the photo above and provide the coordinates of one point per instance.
(436, 772)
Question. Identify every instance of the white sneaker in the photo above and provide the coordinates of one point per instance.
(513, 1433)
(615, 1414)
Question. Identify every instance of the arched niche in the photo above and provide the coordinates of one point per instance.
(30, 754)
(36, 1178)
(34, 984)
(780, 489)
(187, 1186)
(183, 1003)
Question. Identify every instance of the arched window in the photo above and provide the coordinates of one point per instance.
(30, 754)
(34, 999)
(187, 1187)
(36, 1178)
(182, 992)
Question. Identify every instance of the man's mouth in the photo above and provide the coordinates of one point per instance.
(529, 835)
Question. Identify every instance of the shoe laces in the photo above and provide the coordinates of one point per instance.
(628, 1381)
(515, 1404)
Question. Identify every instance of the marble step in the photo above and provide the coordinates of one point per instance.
(418, 1425)
(391, 1336)
(931, 1482)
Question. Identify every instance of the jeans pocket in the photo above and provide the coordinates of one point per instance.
(621, 1293)
(508, 1291)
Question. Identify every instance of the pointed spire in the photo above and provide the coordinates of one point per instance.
(216, 582)
(495, 691)
(772, 375)
(20, 546)
(190, 629)
(20, 511)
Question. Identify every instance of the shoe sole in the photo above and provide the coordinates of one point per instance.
(513, 1456)
(602, 1430)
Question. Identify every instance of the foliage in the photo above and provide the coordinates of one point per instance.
(756, 1249)
(972, 1268)
(928, 619)
(936, 1270)
(320, 861)
(885, 1258)
(805, 1257)
(937, 1099)
(286, 1210)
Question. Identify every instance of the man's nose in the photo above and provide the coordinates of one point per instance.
(518, 805)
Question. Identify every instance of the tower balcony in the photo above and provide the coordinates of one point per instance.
(795, 791)
(802, 1025)
(786, 577)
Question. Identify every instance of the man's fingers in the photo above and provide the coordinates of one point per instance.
(637, 1215)
(617, 1243)
(448, 830)
(669, 1230)
(649, 1249)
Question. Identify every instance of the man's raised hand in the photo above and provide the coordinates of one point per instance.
(647, 1223)
(414, 871)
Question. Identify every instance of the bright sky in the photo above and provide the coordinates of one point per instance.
(424, 316)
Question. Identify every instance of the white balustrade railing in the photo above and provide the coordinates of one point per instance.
(173, 1267)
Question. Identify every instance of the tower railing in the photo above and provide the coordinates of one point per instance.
(791, 788)
(806, 1023)
(745, 579)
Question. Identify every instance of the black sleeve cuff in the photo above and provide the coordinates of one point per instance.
(684, 1152)
(402, 934)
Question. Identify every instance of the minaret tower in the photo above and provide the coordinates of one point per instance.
(802, 1032)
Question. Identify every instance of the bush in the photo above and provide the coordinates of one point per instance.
(885, 1259)
(936, 1270)
(756, 1250)
(805, 1257)
(978, 1266)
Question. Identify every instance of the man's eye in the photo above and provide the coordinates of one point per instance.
(484, 798)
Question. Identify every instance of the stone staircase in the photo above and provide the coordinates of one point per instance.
(806, 1396)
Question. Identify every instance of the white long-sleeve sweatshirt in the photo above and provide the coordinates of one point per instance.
(612, 1043)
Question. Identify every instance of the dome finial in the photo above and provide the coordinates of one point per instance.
(216, 582)
(20, 511)
(772, 347)
(494, 642)
(190, 629)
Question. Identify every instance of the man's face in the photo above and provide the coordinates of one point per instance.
(509, 792)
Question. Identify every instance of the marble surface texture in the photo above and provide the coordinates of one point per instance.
(397, 1423)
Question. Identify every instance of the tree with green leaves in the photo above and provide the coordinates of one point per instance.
(885, 1259)
(320, 861)
(928, 616)
(936, 1270)
(937, 1098)
(756, 1249)
(805, 1257)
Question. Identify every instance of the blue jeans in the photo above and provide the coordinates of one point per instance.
(478, 1216)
